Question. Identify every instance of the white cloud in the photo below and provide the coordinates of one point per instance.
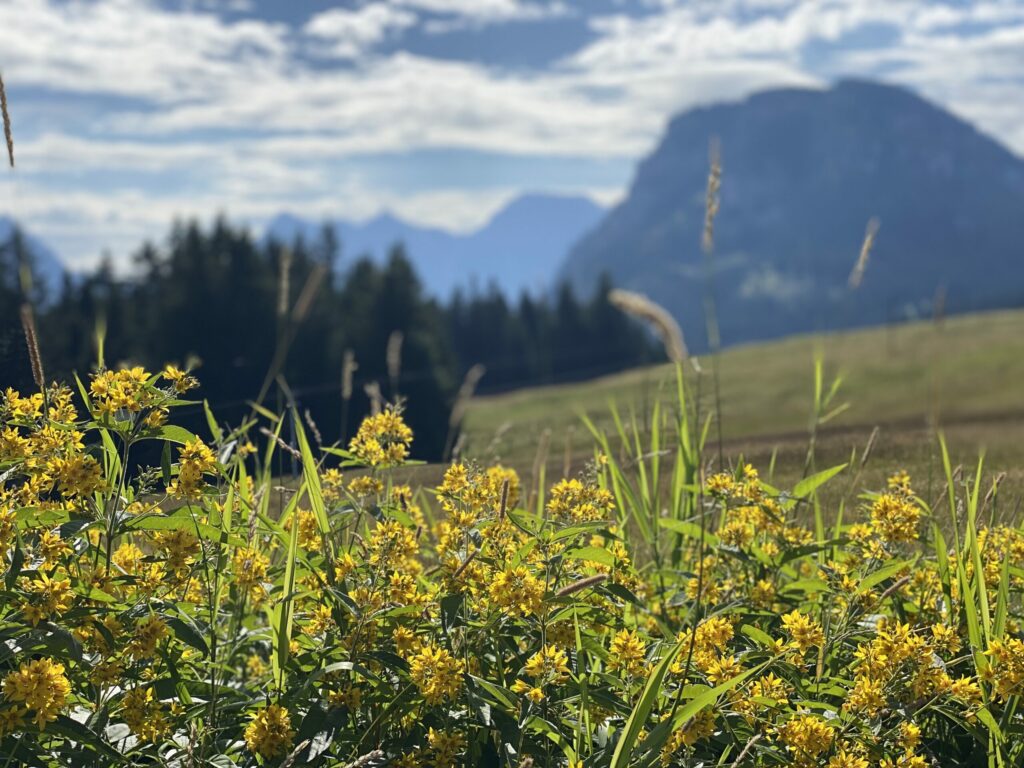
(350, 34)
(488, 10)
(233, 105)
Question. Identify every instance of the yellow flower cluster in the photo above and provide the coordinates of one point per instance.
(627, 652)
(517, 590)
(382, 440)
(144, 715)
(196, 459)
(269, 733)
(580, 502)
(436, 673)
(39, 687)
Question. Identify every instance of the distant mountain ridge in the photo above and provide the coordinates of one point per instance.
(804, 170)
(47, 266)
(521, 248)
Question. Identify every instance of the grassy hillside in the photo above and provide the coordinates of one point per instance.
(966, 372)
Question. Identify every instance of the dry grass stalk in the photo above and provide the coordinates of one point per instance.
(460, 443)
(996, 482)
(857, 275)
(8, 135)
(308, 293)
(746, 750)
(367, 759)
(348, 368)
(465, 394)
(869, 447)
(290, 760)
(711, 199)
(284, 278)
(540, 459)
(655, 315)
(582, 584)
(465, 564)
(503, 506)
(28, 324)
(393, 357)
(373, 392)
(280, 443)
(453, 442)
(313, 427)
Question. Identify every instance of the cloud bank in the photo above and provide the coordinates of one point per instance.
(131, 112)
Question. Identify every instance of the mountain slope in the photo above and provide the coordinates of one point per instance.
(803, 172)
(520, 248)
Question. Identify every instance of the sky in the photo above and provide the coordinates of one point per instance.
(129, 113)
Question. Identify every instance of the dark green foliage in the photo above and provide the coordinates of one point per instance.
(212, 296)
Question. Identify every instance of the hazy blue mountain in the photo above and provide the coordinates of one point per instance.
(47, 266)
(521, 247)
(803, 171)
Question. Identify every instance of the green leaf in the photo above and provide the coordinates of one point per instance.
(311, 478)
(592, 554)
(176, 521)
(215, 430)
(642, 710)
(710, 696)
(283, 610)
(882, 574)
(170, 432)
(187, 634)
(689, 530)
(809, 485)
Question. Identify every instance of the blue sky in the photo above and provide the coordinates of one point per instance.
(128, 113)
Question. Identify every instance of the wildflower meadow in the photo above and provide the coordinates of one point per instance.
(216, 609)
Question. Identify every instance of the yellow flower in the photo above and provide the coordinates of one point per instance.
(180, 379)
(910, 736)
(445, 747)
(365, 485)
(895, 518)
(866, 696)
(806, 632)
(125, 390)
(269, 733)
(180, 547)
(1007, 669)
(550, 664)
(46, 598)
(436, 673)
(41, 686)
(77, 474)
(195, 460)
(250, 568)
(806, 735)
(845, 759)
(309, 529)
(143, 715)
(628, 652)
(762, 594)
(572, 500)
(700, 726)
(382, 440)
(331, 485)
(148, 633)
(518, 591)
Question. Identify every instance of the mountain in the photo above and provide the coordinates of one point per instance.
(520, 248)
(803, 172)
(47, 266)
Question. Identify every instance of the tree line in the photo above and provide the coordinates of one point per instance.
(238, 307)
